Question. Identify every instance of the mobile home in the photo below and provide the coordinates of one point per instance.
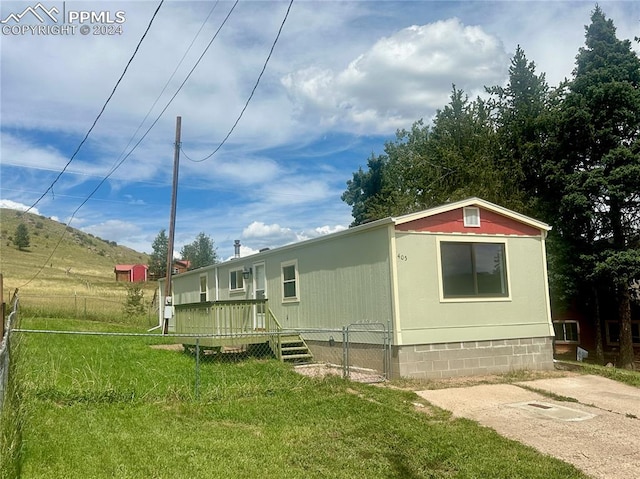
(462, 287)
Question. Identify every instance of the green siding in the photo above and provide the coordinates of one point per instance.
(342, 280)
(425, 318)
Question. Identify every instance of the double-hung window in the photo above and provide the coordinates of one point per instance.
(236, 282)
(473, 270)
(203, 288)
(290, 281)
(566, 331)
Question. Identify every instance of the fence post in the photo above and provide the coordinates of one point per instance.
(387, 355)
(2, 306)
(197, 368)
(345, 352)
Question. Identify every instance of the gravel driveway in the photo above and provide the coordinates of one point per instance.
(598, 431)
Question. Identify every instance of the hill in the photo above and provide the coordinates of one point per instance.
(81, 264)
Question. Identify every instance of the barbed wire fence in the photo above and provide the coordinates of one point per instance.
(87, 307)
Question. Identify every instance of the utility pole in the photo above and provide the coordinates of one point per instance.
(168, 306)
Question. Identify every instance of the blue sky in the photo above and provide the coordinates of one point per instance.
(342, 79)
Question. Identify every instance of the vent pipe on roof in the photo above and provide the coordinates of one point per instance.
(236, 247)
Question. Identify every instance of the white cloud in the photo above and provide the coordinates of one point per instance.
(325, 230)
(401, 78)
(14, 205)
(259, 230)
(114, 230)
(273, 235)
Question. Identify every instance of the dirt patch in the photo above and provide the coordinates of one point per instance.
(359, 375)
(168, 347)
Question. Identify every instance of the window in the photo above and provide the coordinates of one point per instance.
(236, 282)
(566, 331)
(473, 270)
(203, 288)
(290, 281)
(613, 332)
(471, 215)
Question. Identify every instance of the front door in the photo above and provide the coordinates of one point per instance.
(259, 292)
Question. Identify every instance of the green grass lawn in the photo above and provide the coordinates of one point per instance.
(114, 407)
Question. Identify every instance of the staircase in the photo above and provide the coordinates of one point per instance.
(293, 349)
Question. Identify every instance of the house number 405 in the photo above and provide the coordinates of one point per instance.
(402, 257)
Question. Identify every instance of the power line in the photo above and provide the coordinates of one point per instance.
(119, 163)
(166, 85)
(264, 67)
(102, 110)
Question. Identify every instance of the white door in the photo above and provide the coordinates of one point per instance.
(259, 292)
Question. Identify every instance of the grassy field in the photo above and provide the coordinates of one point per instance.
(76, 281)
(116, 407)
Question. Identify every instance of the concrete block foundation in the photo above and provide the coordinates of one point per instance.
(472, 358)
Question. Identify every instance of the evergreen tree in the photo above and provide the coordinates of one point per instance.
(21, 237)
(364, 190)
(200, 253)
(158, 258)
(594, 170)
(134, 302)
(427, 166)
(521, 109)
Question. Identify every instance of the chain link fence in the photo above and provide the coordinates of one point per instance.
(359, 352)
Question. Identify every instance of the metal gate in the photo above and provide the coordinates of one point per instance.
(366, 352)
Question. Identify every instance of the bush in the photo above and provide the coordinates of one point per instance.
(134, 302)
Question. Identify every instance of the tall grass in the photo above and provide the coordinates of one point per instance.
(107, 309)
(12, 415)
(115, 407)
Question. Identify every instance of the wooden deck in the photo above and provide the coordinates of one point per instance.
(229, 324)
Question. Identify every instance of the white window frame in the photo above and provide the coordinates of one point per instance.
(206, 288)
(471, 216)
(238, 274)
(296, 280)
(564, 331)
(472, 299)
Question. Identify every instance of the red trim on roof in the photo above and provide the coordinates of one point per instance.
(453, 222)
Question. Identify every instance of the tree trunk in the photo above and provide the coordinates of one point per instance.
(598, 325)
(626, 340)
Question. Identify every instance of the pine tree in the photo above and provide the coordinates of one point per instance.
(21, 237)
(595, 171)
(200, 253)
(158, 258)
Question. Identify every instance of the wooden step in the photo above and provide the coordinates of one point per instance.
(296, 357)
(295, 348)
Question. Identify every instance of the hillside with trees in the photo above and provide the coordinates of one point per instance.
(82, 263)
(568, 155)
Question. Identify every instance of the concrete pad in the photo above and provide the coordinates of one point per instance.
(593, 390)
(547, 410)
(602, 443)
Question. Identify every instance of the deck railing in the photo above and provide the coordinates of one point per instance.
(248, 321)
